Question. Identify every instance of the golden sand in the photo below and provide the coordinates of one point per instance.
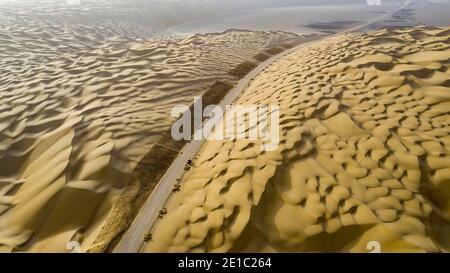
(364, 156)
(74, 123)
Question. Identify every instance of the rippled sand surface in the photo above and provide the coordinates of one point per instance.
(364, 156)
(78, 111)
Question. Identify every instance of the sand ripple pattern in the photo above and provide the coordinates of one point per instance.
(74, 123)
(365, 155)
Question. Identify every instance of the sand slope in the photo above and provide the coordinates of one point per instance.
(364, 156)
(74, 123)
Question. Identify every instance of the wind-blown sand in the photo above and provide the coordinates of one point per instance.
(75, 121)
(364, 156)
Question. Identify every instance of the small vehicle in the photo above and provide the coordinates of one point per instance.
(162, 212)
(176, 188)
(148, 237)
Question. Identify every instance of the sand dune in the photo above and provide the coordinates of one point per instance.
(364, 156)
(102, 19)
(74, 122)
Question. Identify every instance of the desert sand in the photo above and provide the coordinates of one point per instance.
(76, 117)
(364, 156)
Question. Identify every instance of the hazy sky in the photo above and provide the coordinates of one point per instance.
(159, 15)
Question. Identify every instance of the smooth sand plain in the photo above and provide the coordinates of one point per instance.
(364, 156)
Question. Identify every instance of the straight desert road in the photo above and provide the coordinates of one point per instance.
(133, 239)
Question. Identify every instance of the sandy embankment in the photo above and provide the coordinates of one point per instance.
(75, 120)
(364, 156)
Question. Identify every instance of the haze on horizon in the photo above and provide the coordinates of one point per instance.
(152, 16)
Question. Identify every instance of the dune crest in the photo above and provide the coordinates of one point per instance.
(74, 124)
(364, 156)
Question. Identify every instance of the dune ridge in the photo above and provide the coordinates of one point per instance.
(74, 123)
(364, 156)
